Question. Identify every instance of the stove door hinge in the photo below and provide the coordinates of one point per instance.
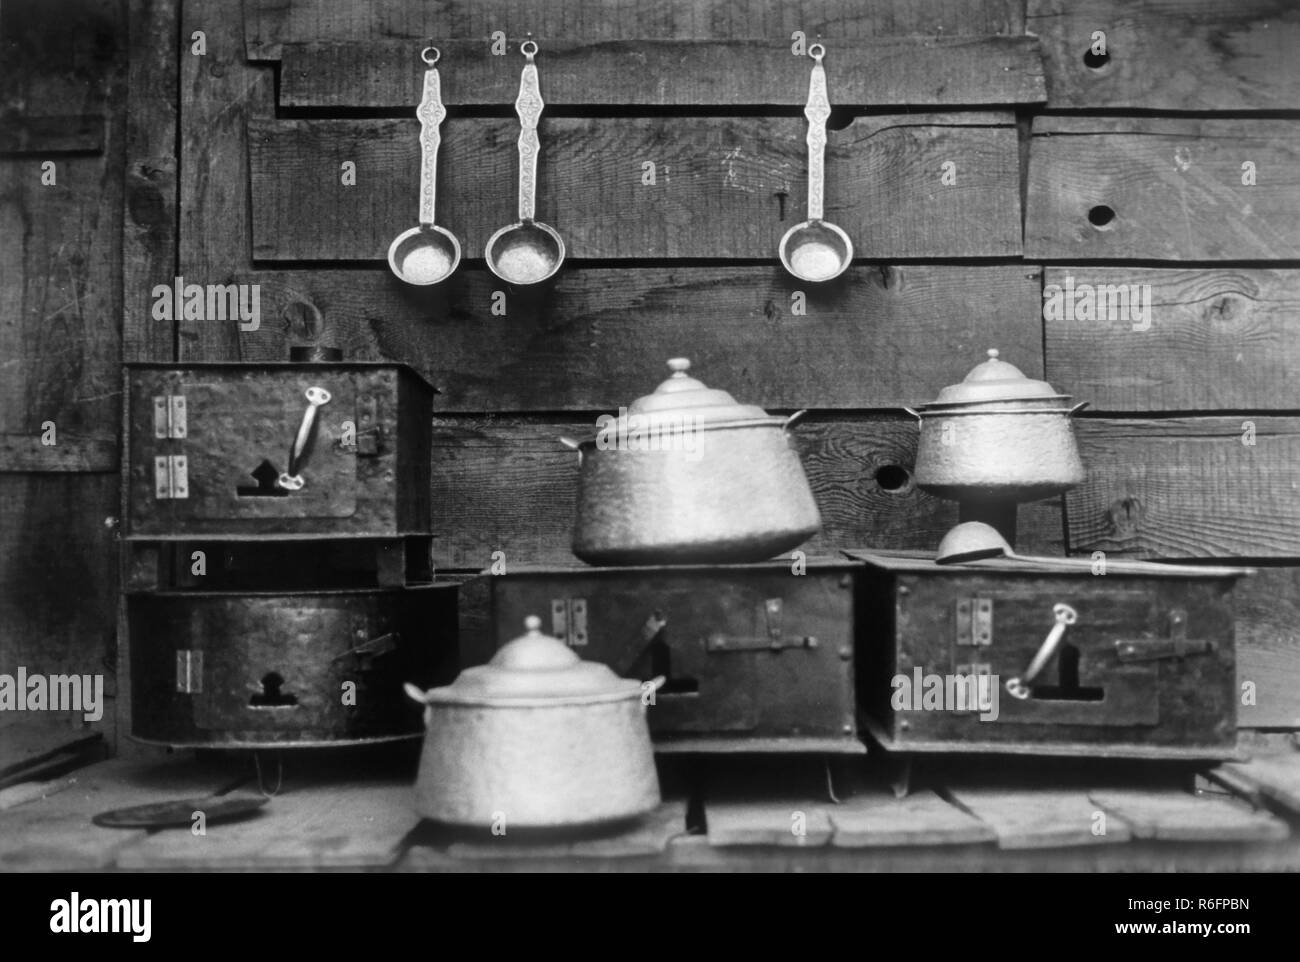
(975, 621)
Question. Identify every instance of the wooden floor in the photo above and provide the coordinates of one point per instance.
(717, 817)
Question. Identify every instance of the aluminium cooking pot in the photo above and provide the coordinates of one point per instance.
(998, 435)
(536, 738)
(686, 475)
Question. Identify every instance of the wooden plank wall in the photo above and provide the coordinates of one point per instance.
(63, 78)
(1167, 162)
(1121, 168)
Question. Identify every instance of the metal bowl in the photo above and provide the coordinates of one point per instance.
(424, 255)
(525, 253)
(816, 251)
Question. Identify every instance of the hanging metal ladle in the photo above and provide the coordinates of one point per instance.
(816, 250)
(427, 254)
(528, 251)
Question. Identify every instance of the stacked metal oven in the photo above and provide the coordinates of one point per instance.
(685, 493)
(278, 523)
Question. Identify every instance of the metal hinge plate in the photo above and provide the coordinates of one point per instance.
(569, 621)
(189, 671)
(975, 621)
(171, 477)
(169, 416)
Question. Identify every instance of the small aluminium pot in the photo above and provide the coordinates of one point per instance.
(536, 738)
(998, 435)
(688, 476)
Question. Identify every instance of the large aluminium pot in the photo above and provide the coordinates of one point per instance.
(687, 475)
(998, 435)
(536, 738)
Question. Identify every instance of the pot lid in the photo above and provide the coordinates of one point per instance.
(684, 395)
(995, 380)
(536, 667)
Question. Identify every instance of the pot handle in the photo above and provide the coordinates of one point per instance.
(1079, 407)
(415, 694)
(916, 414)
(793, 418)
(655, 684)
(573, 445)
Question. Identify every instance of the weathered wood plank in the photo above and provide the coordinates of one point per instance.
(333, 824)
(1172, 816)
(724, 187)
(887, 337)
(1170, 54)
(1174, 186)
(645, 836)
(20, 452)
(1204, 340)
(795, 823)
(219, 93)
(149, 220)
(268, 23)
(58, 585)
(55, 833)
(24, 792)
(59, 297)
(1275, 776)
(879, 819)
(61, 64)
(1267, 608)
(28, 742)
(1040, 818)
(1188, 488)
(507, 484)
(68, 134)
(911, 71)
(60, 220)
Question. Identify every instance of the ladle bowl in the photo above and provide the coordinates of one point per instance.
(972, 541)
(528, 252)
(424, 255)
(816, 251)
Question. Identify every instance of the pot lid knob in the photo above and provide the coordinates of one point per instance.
(534, 651)
(994, 380)
(680, 380)
(995, 369)
(533, 666)
(682, 393)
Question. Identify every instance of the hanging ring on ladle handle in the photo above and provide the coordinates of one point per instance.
(430, 61)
